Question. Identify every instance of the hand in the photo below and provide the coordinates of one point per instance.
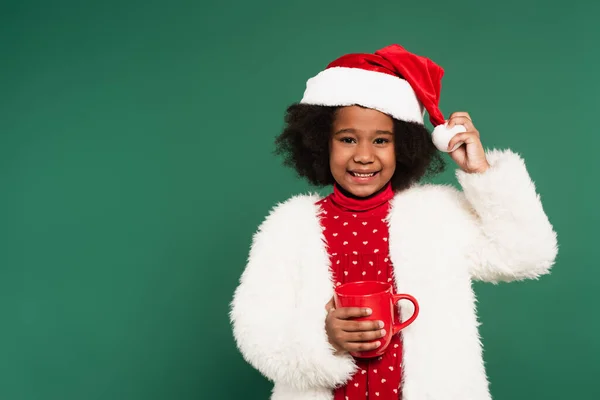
(470, 157)
(346, 335)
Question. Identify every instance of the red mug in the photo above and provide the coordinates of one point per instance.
(379, 297)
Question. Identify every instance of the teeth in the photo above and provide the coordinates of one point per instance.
(364, 175)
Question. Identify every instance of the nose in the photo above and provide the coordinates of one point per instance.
(364, 153)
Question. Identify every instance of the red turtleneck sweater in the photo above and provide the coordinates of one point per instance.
(357, 239)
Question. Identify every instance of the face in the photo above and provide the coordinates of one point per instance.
(362, 158)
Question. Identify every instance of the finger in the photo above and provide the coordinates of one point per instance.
(330, 306)
(465, 137)
(352, 312)
(461, 120)
(461, 114)
(367, 336)
(360, 326)
(361, 346)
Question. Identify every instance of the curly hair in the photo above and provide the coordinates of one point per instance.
(304, 145)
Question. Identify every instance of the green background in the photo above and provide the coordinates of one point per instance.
(136, 162)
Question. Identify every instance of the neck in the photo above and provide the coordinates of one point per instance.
(355, 197)
(350, 202)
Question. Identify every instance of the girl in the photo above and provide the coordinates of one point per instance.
(359, 127)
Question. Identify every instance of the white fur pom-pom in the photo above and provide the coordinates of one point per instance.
(441, 136)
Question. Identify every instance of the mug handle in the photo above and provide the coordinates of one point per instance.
(396, 298)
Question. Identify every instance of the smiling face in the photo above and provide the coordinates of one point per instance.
(362, 157)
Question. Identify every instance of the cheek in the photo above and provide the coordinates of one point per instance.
(337, 159)
(388, 161)
(390, 158)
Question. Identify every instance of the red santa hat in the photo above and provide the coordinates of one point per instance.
(392, 80)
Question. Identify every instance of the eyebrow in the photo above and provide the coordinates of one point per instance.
(350, 130)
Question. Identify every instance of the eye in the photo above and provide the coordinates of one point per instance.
(347, 139)
(381, 141)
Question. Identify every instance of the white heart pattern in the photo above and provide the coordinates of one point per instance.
(385, 239)
(336, 216)
(346, 273)
(395, 390)
(374, 230)
(364, 222)
(355, 233)
(376, 393)
(376, 251)
(345, 223)
(391, 368)
(374, 371)
(378, 272)
(386, 259)
(355, 253)
(334, 234)
(396, 346)
(345, 243)
(354, 215)
(383, 380)
(365, 242)
(371, 263)
(356, 384)
(354, 262)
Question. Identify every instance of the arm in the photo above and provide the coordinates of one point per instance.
(278, 310)
(516, 240)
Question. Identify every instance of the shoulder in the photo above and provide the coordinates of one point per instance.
(289, 229)
(300, 203)
(430, 195)
(431, 202)
(297, 209)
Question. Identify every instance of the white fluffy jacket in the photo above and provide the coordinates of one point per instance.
(440, 240)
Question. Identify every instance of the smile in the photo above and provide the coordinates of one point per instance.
(363, 175)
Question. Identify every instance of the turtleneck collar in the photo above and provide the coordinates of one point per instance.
(347, 202)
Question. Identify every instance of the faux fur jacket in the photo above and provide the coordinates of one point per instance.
(440, 238)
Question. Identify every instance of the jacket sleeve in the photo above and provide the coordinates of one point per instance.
(278, 317)
(515, 240)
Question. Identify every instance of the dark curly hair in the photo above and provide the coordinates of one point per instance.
(304, 145)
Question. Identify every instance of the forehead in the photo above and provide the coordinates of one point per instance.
(362, 119)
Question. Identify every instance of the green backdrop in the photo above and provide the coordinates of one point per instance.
(136, 162)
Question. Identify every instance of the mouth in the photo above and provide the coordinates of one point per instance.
(363, 174)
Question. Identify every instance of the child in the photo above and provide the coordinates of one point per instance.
(360, 128)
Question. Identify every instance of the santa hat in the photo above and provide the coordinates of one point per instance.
(392, 80)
